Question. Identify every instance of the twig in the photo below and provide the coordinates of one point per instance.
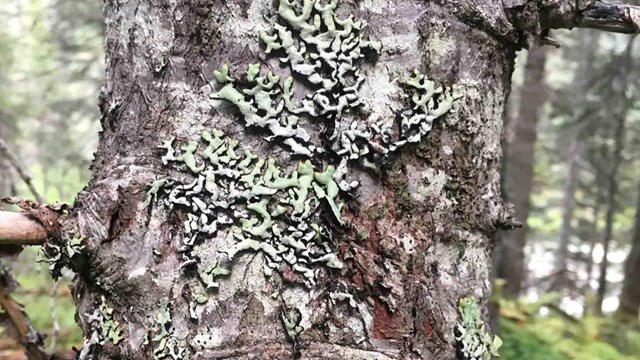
(25, 334)
(16, 165)
(55, 327)
(19, 229)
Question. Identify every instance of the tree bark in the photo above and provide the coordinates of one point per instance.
(518, 170)
(630, 295)
(415, 238)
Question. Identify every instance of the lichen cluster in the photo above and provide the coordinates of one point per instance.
(264, 210)
(105, 327)
(320, 48)
(165, 345)
(57, 256)
(475, 342)
(428, 101)
(324, 55)
(314, 112)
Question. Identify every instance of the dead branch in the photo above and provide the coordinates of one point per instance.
(17, 323)
(595, 14)
(20, 229)
(4, 150)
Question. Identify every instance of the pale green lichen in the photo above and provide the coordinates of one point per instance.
(475, 342)
(165, 345)
(110, 328)
(222, 75)
(104, 326)
(326, 51)
(58, 256)
(262, 210)
(320, 47)
(291, 319)
(428, 101)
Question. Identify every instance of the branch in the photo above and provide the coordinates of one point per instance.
(27, 336)
(19, 229)
(595, 14)
(16, 165)
(18, 324)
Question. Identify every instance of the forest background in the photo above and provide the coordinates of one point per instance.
(573, 119)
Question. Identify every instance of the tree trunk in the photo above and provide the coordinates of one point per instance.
(416, 237)
(560, 277)
(616, 160)
(298, 262)
(593, 237)
(630, 296)
(518, 169)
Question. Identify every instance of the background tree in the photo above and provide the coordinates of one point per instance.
(517, 171)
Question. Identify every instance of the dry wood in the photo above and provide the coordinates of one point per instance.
(19, 229)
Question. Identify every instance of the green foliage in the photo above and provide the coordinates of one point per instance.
(529, 335)
(521, 343)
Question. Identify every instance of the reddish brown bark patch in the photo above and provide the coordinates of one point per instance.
(387, 325)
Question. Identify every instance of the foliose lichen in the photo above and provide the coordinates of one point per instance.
(324, 54)
(263, 210)
(251, 199)
(58, 256)
(105, 327)
(291, 319)
(475, 342)
(165, 345)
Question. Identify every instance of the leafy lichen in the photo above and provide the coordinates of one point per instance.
(475, 342)
(264, 211)
(261, 209)
(166, 346)
(105, 327)
(59, 256)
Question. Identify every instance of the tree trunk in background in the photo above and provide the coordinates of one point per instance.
(560, 278)
(616, 160)
(611, 210)
(509, 259)
(594, 237)
(630, 295)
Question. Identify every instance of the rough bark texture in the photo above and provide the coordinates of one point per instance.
(510, 259)
(630, 295)
(443, 194)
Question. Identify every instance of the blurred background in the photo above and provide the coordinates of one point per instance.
(567, 284)
(51, 70)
